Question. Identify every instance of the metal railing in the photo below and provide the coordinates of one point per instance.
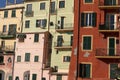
(107, 52)
(7, 48)
(8, 34)
(67, 26)
(29, 13)
(63, 44)
(109, 3)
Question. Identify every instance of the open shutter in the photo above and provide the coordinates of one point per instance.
(94, 19)
(87, 66)
(44, 23)
(82, 17)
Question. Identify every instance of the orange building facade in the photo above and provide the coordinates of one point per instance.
(96, 48)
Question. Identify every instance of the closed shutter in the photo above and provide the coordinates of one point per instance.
(34, 76)
(87, 43)
(82, 19)
(87, 67)
(94, 19)
(27, 56)
(44, 22)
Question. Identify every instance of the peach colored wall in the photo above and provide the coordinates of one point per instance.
(34, 48)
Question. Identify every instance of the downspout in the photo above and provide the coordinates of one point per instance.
(78, 42)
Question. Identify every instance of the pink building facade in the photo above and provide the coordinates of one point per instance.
(31, 56)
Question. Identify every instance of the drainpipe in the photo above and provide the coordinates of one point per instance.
(78, 42)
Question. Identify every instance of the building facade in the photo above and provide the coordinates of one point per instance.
(95, 53)
(11, 22)
(61, 28)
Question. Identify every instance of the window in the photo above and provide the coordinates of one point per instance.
(61, 4)
(5, 14)
(88, 19)
(42, 6)
(13, 13)
(17, 78)
(27, 23)
(36, 37)
(59, 77)
(29, 7)
(88, 1)
(43, 78)
(36, 58)
(41, 23)
(52, 7)
(84, 70)
(10, 78)
(34, 76)
(12, 29)
(87, 43)
(66, 58)
(27, 57)
(18, 58)
(1, 59)
(21, 40)
(4, 28)
(60, 40)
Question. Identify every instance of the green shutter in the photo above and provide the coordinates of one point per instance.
(59, 77)
(94, 19)
(113, 70)
(34, 76)
(27, 56)
(10, 78)
(36, 37)
(5, 14)
(87, 43)
(88, 1)
(87, 67)
(82, 19)
(13, 13)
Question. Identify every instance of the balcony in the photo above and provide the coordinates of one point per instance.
(29, 13)
(109, 4)
(7, 48)
(7, 35)
(110, 53)
(65, 28)
(63, 45)
(108, 28)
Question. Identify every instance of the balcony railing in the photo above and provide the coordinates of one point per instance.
(63, 45)
(68, 27)
(6, 35)
(29, 13)
(109, 4)
(7, 48)
(108, 28)
(108, 53)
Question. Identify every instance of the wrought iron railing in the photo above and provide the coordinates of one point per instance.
(7, 48)
(109, 3)
(63, 44)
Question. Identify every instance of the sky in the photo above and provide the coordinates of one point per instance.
(3, 2)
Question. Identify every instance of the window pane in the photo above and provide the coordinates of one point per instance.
(52, 9)
(4, 28)
(29, 7)
(38, 23)
(88, 1)
(59, 77)
(61, 4)
(10, 78)
(42, 6)
(87, 43)
(27, 56)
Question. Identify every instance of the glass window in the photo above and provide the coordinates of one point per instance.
(36, 58)
(41, 23)
(27, 57)
(66, 58)
(87, 43)
(29, 7)
(36, 38)
(13, 13)
(88, 19)
(27, 23)
(18, 58)
(5, 13)
(34, 76)
(61, 4)
(88, 1)
(42, 6)
(10, 78)
(84, 70)
(52, 7)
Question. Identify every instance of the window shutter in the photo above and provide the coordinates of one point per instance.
(82, 19)
(34, 76)
(44, 22)
(87, 70)
(27, 57)
(94, 20)
(87, 43)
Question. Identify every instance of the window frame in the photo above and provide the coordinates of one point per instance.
(88, 2)
(36, 60)
(18, 58)
(13, 13)
(34, 75)
(66, 58)
(26, 57)
(36, 37)
(6, 14)
(27, 24)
